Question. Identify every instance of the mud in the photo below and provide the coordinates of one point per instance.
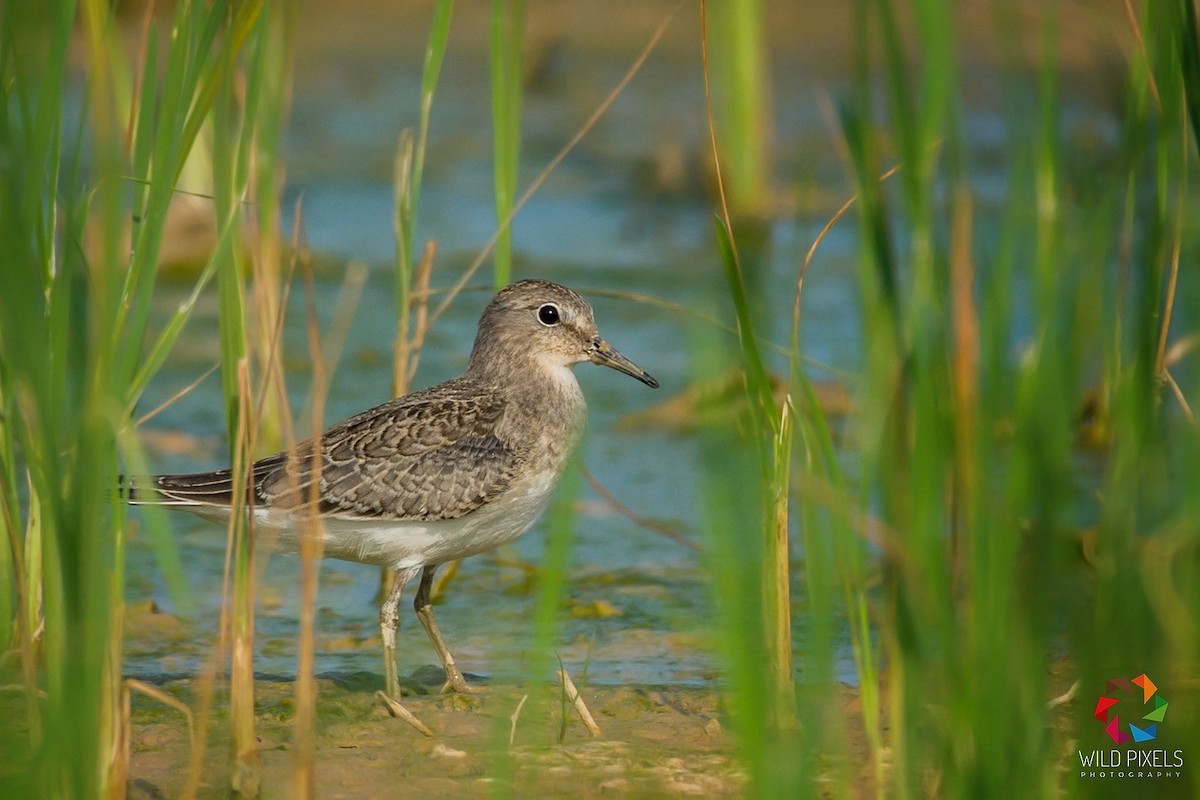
(653, 742)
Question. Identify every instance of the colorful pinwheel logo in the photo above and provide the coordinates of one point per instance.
(1107, 704)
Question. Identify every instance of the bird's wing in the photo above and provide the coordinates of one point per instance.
(429, 455)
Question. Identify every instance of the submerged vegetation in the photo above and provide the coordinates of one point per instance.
(1003, 522)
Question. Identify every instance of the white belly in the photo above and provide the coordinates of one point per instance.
(415, 543)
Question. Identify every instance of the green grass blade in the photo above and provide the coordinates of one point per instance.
(508, 33)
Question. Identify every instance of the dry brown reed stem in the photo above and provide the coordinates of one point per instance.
(779, 635)
(581, 708)
(333, 341)
(170, 401)
(117, 769)
(139, 74)
(712, 134)
(512, 730)
(406, 354)
(128, 686)
(1064, 698)
(681, 309)
(1131, 18)
(965, 365)
(1179, 397)
(863, 524)
(206, 683)
(558, 159)
(631, 515)
(398, 710)
(304, 729)
(1160, 358)
(208, 676)
(812, 251)
(272, 352)
(25, 649)
(410, 342)
(268, 299)
(205, 690)
(270, 296)
(1160, 364)
(694, 313)
(114, 717)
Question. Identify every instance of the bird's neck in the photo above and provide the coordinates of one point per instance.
(544, 395)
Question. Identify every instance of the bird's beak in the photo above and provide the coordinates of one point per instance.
(606, 355)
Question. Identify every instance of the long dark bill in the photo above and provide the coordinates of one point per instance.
(606, 355)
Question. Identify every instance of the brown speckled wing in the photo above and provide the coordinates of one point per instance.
(429, 455)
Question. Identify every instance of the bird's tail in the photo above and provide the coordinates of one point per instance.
(200, 488)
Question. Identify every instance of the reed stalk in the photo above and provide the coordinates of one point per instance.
(84, 214)
(507, 43)
(412, 285)
(740, 68)
(412, 279)
(759, 587)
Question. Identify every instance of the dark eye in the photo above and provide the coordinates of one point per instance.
(548, 314)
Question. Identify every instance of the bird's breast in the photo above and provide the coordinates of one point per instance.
(409, 543)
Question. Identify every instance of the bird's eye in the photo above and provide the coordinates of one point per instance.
(548, 315)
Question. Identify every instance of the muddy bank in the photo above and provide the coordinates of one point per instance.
(653, 742)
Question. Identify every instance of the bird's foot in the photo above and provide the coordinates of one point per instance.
(457, 694)
(396, 709)
(457, 701)
(457, 684)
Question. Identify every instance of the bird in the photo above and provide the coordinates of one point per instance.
(433, 476)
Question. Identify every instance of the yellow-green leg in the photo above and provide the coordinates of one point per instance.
(455, 682)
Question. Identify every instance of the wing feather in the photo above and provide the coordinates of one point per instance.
(435, 454)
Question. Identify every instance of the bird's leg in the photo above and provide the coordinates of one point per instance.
(388, 618)
(455, 682)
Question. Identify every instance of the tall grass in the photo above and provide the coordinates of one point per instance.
(508, 39)
(411, 283)
(413, 277)
(250, 103)
(87, 189)
(1012, 564)
(1011, 511)
(222, 72)
(742, 109)
(750, 564)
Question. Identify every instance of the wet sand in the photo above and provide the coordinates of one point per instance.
(653, 742)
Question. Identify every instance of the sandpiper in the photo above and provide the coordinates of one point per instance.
(437, 475)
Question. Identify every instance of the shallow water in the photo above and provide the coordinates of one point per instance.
(602, 222)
